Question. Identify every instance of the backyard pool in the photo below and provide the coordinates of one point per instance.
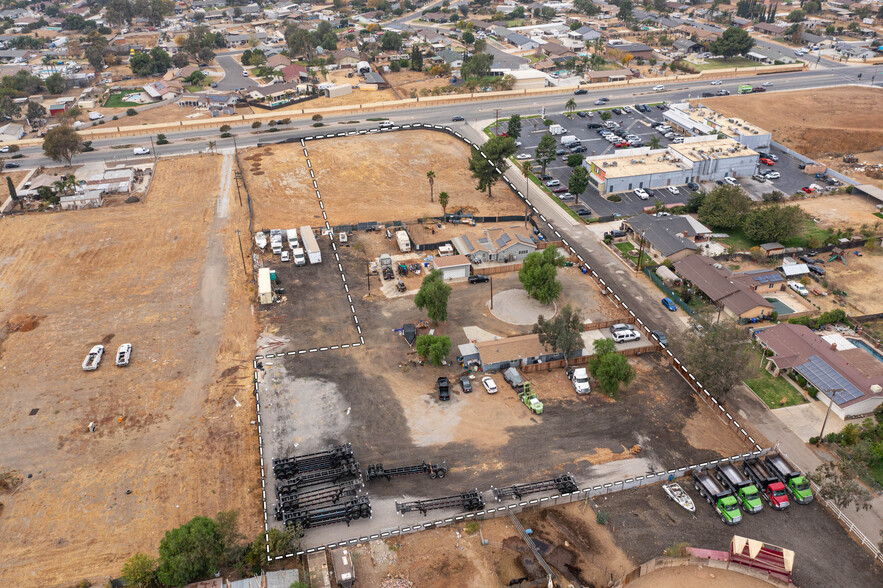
(866, 347)
(780, 306)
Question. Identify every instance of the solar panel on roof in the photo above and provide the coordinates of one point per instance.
(825, 378)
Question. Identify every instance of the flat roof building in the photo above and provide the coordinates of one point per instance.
(699, 120)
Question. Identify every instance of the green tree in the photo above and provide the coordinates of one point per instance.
(477, 66)
(734, 41)
(416, 58)
(9, 108)
(488, 161)
(545, 152)
(796, 16)
(610, 368)
(55, 84)
(433, 296)
(720, 357)
(161, 61)
(562, 334)
(513, 129)
(837, 483)
(724, 207)
(391, 41)
(575, 160)
(468, 38)
(570, 106)
(191, 552)
(605, 115)
(773, 223)
(625, 11)
(579, 181)
(11, 187)
(35, 111)
(62, 143)
(538, 275)
(139, 570)
(433, 348)
(654, 142)
(443, 199)
(245, 58)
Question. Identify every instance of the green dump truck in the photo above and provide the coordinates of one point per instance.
(743, 488)
(717, 496)
(794, 480)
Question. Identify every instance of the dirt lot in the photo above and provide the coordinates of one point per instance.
(413, 81)
(388, 172)
(816, 123)
(579, 550)
(168, 426)
(17, 177)
(644, 522)
(840, 211)
(860, 279)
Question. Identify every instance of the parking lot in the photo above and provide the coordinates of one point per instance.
(641, 124)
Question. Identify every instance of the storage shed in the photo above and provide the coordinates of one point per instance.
(667, 276)
(453, 267)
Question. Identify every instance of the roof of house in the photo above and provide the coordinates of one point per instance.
(511, 348)
(609, 73)
(774, 246)
(718, 285)
(795, 269)
(768, 27)
(633, 47)
(666, 234)
(451, 261)
(271, 89)
(519, 39)
(685, 44)
(552, 48)
(490, 241)
(372, 77)
(588, 31)
(758, 277)
(277, 60)
(294, 72)
(345, 54)
(449, 56)
(817, 360)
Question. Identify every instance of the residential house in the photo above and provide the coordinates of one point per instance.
(742, 23)
(234, 39)
(180, 73)
(494, 245)
(584, 33)
(450, 57)
(521, 42)
(453, 267)
(762, 281)
(557, 51)
(667, 237)
(737, 299)
(699, 34)
(768, 28)
(375, 81)
(88, 199)
(11, 132)
(638, 50)
(346, 58)
(435, 17)
(294, 73)
(687, 46)
(163, 90)
(112, 180)
(278, 62)
(832, 365)
(273, 93)
(18, 55)
(610, 75)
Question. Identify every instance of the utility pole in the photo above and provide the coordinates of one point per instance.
(153, 148)
(834, 392)
(492, 293)
(242, 253)
(368, 275)
(497, 120)
(640, 253)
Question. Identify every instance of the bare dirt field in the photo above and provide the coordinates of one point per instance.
(840, 211)
(368, 178)
(860, 279)
(816, 123)
(579, 550)
(4, 185)
(168, 427)
(413, 81)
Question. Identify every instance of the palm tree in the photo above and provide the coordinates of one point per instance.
(571, 105)
(596, 61)
(211, 146)
(526, 169)
(430, 175)
(654, 142)
(443, 200)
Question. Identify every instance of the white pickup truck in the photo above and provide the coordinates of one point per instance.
(579, 377)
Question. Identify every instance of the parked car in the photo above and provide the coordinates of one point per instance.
(622, 144)
(523, 156)
(641, 193)
(566, 196)
(616, 111)
(807, 189)
(758, 177)
(621, 327)
(561, 151)
(579, 149)
(581, 114)
(661, 336)
(553, 183)
(766, 161)
(677, 140)
(489, 384)
(478, 279)
(798, 287)
(559, 190)
(285, 256)
(444, 388)
(731, 181)
(546, 177)
(693, 186)
(625, 336)
(673, 190)
(465, 385)
(819, 271)
(584, 212)
(581, 91)
(669, 304)
(593, 125)
(772, 175)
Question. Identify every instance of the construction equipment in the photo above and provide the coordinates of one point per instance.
(375, 471)
(850, 159)
(772, 489)
(287, 467)
(719, 497)
(793, 479)
(564, 484)
(352, 510)
(400, 286)
(742, 488)
(530, 399)
(349, 468)
(471, 500)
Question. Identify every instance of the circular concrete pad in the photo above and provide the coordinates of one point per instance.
(517, 308)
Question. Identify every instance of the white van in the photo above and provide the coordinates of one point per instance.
(141, 151)
(387, 124)
(299, 257)
(625, 336)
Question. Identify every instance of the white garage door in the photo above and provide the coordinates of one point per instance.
(456, 273)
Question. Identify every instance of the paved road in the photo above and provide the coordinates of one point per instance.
(233, 77)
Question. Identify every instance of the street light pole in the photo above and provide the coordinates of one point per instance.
(830, 402)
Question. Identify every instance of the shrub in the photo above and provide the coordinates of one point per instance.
(472, 527)
(285, 121)
(615, 198)
(317, 117)
(602, 518)
(131, 112)
(676, 550)
(225, 128)
(813, 440)
(226, 135)
(115, 117)
(256, 124)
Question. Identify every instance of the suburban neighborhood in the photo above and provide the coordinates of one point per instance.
(441, 293)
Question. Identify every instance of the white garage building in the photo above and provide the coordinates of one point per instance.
(453, 267)
(698, 120)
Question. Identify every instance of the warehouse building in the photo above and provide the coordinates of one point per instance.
(699, 120)
(697, 159)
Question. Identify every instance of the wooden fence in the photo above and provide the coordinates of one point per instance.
(548, 366)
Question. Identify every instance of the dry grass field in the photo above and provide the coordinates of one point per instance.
(368, 178)
(169, 429)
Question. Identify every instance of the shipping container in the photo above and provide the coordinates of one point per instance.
(265, 287)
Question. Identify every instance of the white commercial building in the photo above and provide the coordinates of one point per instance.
(698, 120)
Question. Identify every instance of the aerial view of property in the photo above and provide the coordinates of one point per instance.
(441, 293)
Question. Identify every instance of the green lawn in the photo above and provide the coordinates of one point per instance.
(769, 389)
(630, 251)
(116, 101)
(740, 242)
(878, 214)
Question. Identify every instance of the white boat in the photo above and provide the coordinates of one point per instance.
(124, 354)
(676, 493)
(260, 239)
(93, 358)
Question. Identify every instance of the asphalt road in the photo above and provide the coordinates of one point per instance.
(191, 141)
(233, 77)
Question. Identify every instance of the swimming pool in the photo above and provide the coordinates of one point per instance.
(780, 306)
(866, 347)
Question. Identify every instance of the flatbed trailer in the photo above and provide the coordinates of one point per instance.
(349, 469)
(316, 496)
(375, 471)
(287, 467)
(564, 484)
(346, 512)
(471, 500)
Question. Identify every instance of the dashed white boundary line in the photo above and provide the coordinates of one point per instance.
(620, 485)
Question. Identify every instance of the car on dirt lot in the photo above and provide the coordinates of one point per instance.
(669, 304)
(444, 388)
(465, 385)
(798, 287)
(478, 279)
(807, 189)
(489, 384)
(766, 161)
